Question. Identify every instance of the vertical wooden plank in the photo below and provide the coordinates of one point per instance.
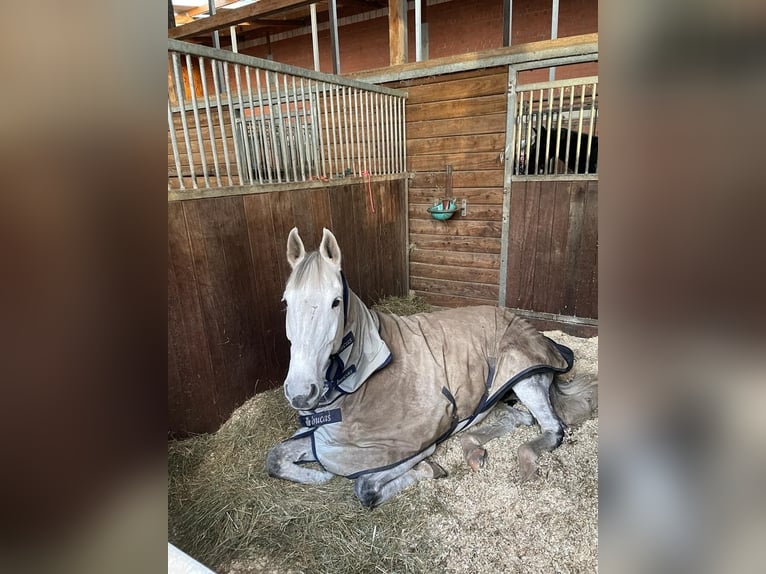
(320, 206)
(191, 388)
(515, 242)
(367, 240)
(268, 287)
(529, 245)
(395, 236)
(311, 210)
(283, 220)
(586, 299)
(342, 210)
(223, 265)
(542, 259)
(574, 237)
(558, 249)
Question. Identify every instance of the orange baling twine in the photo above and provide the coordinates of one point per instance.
(367, 174)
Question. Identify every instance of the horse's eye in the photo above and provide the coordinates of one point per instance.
(335, 303)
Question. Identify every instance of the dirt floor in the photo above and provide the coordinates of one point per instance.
(225, 511)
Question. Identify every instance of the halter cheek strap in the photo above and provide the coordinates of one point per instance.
(345, 299)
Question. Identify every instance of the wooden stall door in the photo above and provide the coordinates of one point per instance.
(553, 248)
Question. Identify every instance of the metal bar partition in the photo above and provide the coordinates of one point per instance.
(284, 124)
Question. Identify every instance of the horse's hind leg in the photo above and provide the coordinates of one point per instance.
(375, 488)
(473, 452)
(533, 393)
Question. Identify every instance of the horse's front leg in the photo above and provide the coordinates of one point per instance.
(375, 488)
(281, 462)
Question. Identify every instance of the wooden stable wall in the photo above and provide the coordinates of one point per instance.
(226, 274)
(457, 119)
(460, 119)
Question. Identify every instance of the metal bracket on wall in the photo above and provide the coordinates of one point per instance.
(463, 207)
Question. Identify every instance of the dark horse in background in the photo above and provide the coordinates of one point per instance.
(570, 159)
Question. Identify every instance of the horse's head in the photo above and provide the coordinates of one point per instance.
(315, 317)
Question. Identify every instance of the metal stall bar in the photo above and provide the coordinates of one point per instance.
(358, 130)
(174, 144)
(550, 135)
(389, 136)
(273, 140)
(579, 129)
(254, 130)
(181, 97)
(209, 116)
(348, 129)
(282, 132)
(397, 134)
(216, 74)
(338, 96)
(320, 139)
(300, 133)
(197, 127)
(403, 128)
(243, 123)
(518, 128)
(308, 133)
(569, 120)
(376, 134)
(384, 134)
(539, 142)
(234, 138)
(331, 125)
(591, 125)
(528, 142)
(365, 119)
(264, 138)
(322, 130)
(292, 139)
(558, 132)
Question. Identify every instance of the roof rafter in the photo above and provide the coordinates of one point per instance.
(227, 18)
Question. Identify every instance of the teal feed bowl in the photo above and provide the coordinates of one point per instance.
(443, 210)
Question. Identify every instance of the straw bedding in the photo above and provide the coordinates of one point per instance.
(226, 512)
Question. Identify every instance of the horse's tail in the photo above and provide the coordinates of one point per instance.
(575, 401)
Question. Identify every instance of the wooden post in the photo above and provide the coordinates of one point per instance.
(171, 15)
(397, 31)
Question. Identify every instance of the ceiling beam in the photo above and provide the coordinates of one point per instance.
(205, 9)
(226, 18)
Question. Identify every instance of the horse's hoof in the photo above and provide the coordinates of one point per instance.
(436, 469)
(527, 462)
(476, 458)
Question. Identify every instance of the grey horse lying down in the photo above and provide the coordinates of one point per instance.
(376, 392)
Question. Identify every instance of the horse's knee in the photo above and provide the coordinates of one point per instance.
(367, 492)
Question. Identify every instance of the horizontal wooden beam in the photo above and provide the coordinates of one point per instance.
(226, 18)
(554, 52)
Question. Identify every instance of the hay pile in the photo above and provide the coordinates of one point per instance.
(225, 511)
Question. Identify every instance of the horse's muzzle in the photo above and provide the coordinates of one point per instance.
(306, 402)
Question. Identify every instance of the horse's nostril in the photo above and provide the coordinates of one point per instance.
(306, 401)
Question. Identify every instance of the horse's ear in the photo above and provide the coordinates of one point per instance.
(295, 250)
(329, 249)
